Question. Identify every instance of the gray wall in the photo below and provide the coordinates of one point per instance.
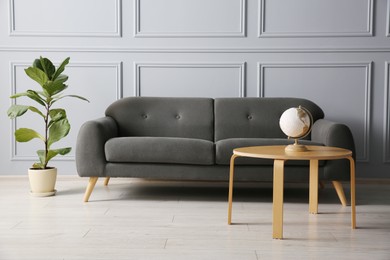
(336, 53)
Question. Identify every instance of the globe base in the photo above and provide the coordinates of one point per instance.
(293, 148)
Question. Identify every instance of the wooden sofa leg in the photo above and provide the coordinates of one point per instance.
(340, 192)
(91, 185)
(106, 181)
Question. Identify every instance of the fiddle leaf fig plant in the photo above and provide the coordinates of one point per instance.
(55, 122)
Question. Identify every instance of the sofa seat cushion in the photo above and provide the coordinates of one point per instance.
(160, 150)
(224, 150)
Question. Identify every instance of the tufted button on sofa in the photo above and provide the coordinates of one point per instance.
(193, 139)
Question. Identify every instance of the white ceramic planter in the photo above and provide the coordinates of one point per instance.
(42, 181)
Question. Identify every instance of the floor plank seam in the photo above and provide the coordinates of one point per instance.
(86, 233)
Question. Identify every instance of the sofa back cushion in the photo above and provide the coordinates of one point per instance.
(255, 117)
(164, 117)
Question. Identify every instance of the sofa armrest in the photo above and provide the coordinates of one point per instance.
(337, 135)
(90, 156)
(333, 134)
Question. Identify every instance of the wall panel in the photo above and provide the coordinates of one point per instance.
(100, 82)
(193, 80)
(190, 18)
(67, 18)
(329, 85)
(386, 129)
(315, 18)
(388, 19)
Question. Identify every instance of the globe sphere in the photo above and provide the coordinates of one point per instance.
(296, 122)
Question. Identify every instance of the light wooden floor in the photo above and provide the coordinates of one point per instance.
(135, 219)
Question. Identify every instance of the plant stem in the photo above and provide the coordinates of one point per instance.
(46, 135)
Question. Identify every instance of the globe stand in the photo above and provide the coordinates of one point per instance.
(291, 122)
(295, 148)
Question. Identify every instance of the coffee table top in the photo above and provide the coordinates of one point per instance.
(278, 152)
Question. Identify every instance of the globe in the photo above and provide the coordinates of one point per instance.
(296, 123)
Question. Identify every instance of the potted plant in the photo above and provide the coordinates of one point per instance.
(55, 123)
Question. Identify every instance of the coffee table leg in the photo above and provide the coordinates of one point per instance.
(353, 202)
(277, 207)
(231, 176)
(313, 187)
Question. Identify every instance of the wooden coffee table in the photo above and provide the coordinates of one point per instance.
(278, 154)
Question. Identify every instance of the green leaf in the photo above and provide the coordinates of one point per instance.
(37, 75)
(37, 64)
(63, 151)
(61, 78)
(75, 96)
(26, 134)
(54, 87)
(36, 97)
(22, 94)
(16, 110)
(51, 153)
(38, 166)
(56, 114)
(31, 94)
(42, 159)
(58, 130)
(36, 110)
(48, 67)
(43, 95)
(46, 94)
(61, 68)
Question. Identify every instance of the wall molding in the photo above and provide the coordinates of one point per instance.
(386, 120)
(110, 49)
(138, 32)
(138, 66)
(116, 33)
(262, 33)
(367, 103)
(388, 19)
(24, 64)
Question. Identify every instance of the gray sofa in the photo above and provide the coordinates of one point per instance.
(193, 139)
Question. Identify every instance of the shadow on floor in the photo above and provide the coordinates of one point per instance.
(208, 191)
(366, 194)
